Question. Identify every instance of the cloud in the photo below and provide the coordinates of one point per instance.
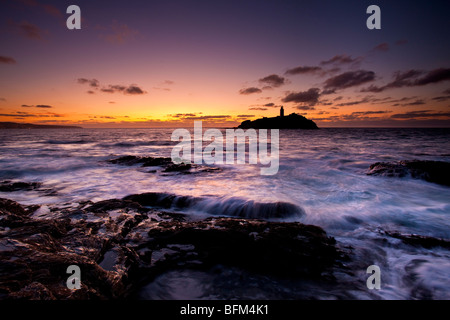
(414, 103)
(95, 84)
(348, 79)
(352, 103)
(3, 99)
(447, 91)
(271, 104)
(92, 82)
(304, 108)
(48, 8)
(273, 80)
(342, 59)
(420, 114)
(133, 89)
(250, 90)
(303, 70)
(182, 115)
(257, 108)
(441, 98)
(413, 78)
(245, 116)
(310, 97)
(20, 114)
(7, 60)
(43, 106)
(29, 30)
(207, 117)
(383, 47)
(118, 33)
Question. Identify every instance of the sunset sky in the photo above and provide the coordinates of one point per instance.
(168, 63)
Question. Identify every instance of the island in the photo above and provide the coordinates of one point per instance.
(292, 121)
(16, 125)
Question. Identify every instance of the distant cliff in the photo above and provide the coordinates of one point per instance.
(15, 125)
(292, 121)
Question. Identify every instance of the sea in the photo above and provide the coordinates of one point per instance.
(323, 172)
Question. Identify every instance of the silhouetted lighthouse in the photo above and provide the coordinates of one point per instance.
(281, 111)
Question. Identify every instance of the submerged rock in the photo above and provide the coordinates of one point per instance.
(120, 246)
(431, 171)
(8, 186)
(166, 163)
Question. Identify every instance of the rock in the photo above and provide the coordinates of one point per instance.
(431, 171)
(280, 248)
(166, 163)
(421, 241)
(8, 186)
(292, 121)
(118, 254)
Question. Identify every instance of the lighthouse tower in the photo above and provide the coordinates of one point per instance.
(281, 111)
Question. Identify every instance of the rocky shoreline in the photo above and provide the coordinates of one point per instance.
(121, 245)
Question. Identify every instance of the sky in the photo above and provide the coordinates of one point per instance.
(168, 63)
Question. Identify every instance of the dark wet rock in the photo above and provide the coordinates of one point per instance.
(290, 249)
(235, 207)
(114, 204)
(431, 171)
(119, 253)
(177, 167)
(420, 241)
(8, 186)
(144, 161)
(168, 167)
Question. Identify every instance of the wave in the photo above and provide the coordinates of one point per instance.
(235, 207)
(67, 141)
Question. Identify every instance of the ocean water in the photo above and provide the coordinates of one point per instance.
(322, 172)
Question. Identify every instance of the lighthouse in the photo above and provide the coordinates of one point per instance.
(281, 111)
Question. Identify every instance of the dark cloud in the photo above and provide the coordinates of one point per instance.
(133, 89)
(348, 79)
(245, 116)
(92, 82)
(118, 33)
(273, 80)
(182, 115)
(207, 117)
(250, 90)
(413, 78)
(3, 99)
(420, 114)
(341, 59)
(352, 103)
(338, 98)
(95, 84)
(381, 47)
(269, 104)
(257, 108)
(7, 60)
(303, 70)
(29, 30)
(43, 106)
(447, 91)
(304, 108)
(441, 98)
(434, 76)
(310, 97)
